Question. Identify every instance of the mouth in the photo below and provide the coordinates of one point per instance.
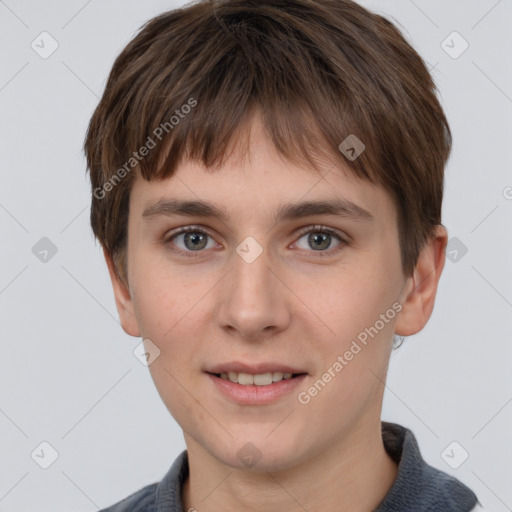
(257, 379)
(256, 387)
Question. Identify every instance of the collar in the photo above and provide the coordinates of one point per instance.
(418, 487)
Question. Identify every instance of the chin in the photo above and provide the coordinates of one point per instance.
(259, 453)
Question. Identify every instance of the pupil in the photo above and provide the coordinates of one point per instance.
(196, 239)
(316, 239)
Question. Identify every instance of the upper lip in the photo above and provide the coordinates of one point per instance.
(239, 367)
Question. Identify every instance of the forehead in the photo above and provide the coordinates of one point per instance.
(258, 181)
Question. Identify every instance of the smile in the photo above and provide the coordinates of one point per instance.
(256, 389)
(260, 379)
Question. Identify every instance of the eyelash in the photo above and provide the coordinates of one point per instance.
(310, 229)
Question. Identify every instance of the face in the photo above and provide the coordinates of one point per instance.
(265, 289)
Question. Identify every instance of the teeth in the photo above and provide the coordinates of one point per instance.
(261, 379)
(245, 379)
(277, 376)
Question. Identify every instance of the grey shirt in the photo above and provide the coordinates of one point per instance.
(418, 487)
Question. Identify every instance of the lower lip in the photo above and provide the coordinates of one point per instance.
(256, 395)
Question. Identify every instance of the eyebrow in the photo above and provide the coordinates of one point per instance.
(289, 211)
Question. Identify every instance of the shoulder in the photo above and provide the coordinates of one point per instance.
(142, 500)
(418, 486)
(163, 496)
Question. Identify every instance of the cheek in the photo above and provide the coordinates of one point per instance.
(160, 294)
(165, 311)
(349, 300)
(155, 308)
(357, 307)
(354, 358)
(170, 312)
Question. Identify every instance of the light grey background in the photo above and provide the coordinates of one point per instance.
(68, 375)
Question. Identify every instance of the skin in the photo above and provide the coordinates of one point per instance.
(289, 305)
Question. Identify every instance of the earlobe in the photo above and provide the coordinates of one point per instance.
(123, 300)
(420, 290)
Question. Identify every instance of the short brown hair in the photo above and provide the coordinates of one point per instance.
(318, 71)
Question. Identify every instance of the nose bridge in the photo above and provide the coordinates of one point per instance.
(252, 270)
(251, 301)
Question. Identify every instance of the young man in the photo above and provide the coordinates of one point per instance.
(267, 185)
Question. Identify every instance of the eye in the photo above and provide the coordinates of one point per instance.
(190, 239)
(319, 238)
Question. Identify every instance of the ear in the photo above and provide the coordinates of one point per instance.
(124, 301)
(420, 289)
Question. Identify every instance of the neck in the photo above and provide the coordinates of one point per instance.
(353, 474)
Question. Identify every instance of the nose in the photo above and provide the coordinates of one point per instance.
(253, 301)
